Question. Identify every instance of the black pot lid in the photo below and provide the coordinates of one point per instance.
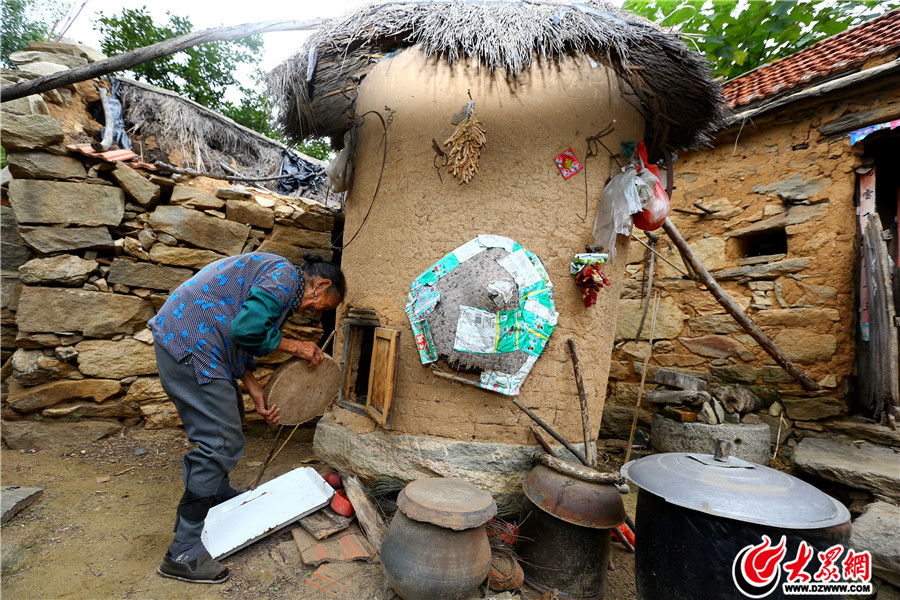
(736, 489)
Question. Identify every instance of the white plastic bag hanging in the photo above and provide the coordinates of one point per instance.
(622, 196)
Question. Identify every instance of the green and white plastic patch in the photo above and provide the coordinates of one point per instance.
(479, 331)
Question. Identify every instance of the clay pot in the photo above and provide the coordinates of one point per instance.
(424, 562)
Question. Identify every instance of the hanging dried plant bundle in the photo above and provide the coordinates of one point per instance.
(465, 146)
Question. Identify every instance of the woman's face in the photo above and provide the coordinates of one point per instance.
(317, 298)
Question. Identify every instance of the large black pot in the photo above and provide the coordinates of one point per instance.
(563, 537)
(695, 515)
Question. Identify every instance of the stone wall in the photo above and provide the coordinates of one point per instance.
(91, 249)
(782, 243)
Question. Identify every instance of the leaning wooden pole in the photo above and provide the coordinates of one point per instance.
(734, 310)
(138, 56)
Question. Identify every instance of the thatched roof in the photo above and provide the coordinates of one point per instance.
(316, 88)
(205, 139)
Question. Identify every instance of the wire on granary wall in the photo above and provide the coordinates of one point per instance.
(592, 151)
(384, 143)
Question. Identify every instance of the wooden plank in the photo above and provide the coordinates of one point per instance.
(382, 376)
(883, 332)
(368, 516)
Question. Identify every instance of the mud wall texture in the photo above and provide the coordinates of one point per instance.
(93, 246)
(518, 192)
(782, 241)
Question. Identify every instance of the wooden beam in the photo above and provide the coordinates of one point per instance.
(590, 451)
(138, 56)
(734, 310)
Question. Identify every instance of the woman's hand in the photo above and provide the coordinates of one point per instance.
(256, 394)
(308, 350)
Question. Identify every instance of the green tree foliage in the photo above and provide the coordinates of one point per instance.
(739, 35)
(23, 21)
(205, 73)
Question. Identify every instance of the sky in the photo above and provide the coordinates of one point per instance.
(204, 14)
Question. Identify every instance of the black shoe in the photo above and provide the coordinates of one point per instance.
(203, 570)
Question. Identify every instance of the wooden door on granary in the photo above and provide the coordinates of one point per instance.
(878, 200)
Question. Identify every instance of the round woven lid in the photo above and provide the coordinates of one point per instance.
(446, 502)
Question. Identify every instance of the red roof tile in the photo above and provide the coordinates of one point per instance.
(835, 54)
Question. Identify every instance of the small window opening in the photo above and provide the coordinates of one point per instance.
(763, 243)
(359, 338)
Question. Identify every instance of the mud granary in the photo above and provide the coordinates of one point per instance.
(562, 72)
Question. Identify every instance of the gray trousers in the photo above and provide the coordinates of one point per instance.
(212, 415)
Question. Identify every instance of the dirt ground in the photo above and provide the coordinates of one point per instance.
(105, 519)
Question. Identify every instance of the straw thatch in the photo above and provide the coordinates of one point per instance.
(316, 88)
(204, 139)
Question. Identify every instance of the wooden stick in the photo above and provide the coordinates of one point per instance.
(365, 511)
(525, 410)
(735, 311)
(536, 431)
(637, 404)
(138, 56)
(590, 451)
(658, 254)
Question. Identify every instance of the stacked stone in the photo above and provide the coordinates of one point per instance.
(91, 249)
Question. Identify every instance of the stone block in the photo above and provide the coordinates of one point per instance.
(115, 359)
(183, 257)
(199, 229)
(43, 165)
(32, 367)
(669, 320)
(870, 468)
(877, 530)
(35, 398)
(25, 57)
(48, 240)
(190, 197)
(146, 275)
(764, 271)
(499, 469)
(13, 256)
(29, 132)
(95, 314)
(616, 421)
(301, 237)
(748, 442)
(52, 202)
(15, 499)
(292, 253)
(62, 269)
(794, 189)
(24, 435)
(710, 251)
(313, 220)
(796, 317)
(811, 409)
(250, 213)
(751, 375)
(720, 324)
(110, 410)
(795, 215)
(144, 389)
(159, 415)
(143, 192)
(717, 346)
(859, 430)
(806, 347)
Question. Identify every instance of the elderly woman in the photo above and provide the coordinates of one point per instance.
(206, 335)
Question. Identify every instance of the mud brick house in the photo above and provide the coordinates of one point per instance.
(777, 211)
